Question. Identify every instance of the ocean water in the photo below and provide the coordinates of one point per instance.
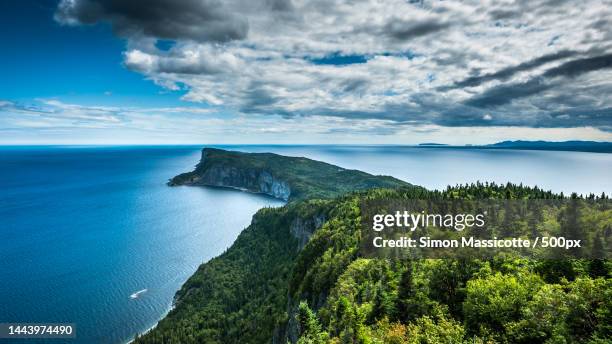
(83, 228)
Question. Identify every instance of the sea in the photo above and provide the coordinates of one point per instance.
(93, 236)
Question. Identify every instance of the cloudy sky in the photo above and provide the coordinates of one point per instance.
(292, 71)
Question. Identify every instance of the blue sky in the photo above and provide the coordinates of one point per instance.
(283, 71)
(42, 59)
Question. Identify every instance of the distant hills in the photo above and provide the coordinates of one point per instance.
(577, 146)
(582, 146)
(432, 144)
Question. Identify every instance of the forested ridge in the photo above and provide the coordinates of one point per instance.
(306, 178)
(268, 287)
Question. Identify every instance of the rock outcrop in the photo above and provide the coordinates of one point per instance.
(222, 174)
(302, 229)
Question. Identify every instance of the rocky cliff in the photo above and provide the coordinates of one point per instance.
(219, 174)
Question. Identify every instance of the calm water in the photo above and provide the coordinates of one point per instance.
(82, 228)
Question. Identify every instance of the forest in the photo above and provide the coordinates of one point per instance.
(268, 288)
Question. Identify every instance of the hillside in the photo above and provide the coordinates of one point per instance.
(296, 274)
(579, 146)
(570, 146)
(287, 178)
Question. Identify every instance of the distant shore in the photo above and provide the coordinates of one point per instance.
(568, 146)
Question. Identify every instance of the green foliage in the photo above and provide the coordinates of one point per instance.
(447, 280)
(264, 288)
(494, 301)
(442, 330)
(308, 179)
(425, 330)
(542, 319)
(237, 296)
(590, 308)
(309, 328)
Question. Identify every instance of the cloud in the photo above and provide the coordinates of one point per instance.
(580, 66)
(405, 30)
(505, 94)
(197, 20)
(55, 113)
(53, 121)
(198, 60)
(536, 63)
(507, 73)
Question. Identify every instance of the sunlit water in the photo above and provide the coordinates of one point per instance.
(84, 228)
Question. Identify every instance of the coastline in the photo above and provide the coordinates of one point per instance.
(151, 328)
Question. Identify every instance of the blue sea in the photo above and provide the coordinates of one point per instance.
(84, 228)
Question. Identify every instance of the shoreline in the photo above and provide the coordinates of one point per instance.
(172, 306)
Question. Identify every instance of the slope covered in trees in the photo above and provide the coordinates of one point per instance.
(270, 287)
(288, 178)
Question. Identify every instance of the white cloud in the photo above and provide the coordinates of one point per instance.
(445, 63)
(53, 121)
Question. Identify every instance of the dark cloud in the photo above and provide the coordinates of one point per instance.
(578, 67)
(508, 72)
(180, 67)
(197, 20)
(257, 99)
(520, 9)
(504, 94)
(401, 30)
(280, 5)
(355, 85)
(500, 14)
(579, 116)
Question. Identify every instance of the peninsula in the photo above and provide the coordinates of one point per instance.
(283, 177)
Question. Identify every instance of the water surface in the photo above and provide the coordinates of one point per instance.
(84, 228)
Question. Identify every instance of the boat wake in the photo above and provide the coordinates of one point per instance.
(137, 294)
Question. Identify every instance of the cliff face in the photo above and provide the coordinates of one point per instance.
(221, 174)
(258, 181)
(303, 228)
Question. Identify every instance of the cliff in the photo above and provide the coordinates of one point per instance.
(283, 177)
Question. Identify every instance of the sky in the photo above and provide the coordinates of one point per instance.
(292, 71)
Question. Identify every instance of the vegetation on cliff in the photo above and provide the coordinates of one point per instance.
(306, 178)
(266, 288)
